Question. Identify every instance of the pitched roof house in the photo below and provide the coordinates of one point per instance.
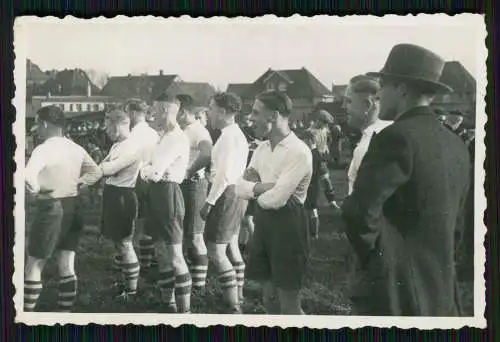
(303, 88)
(338, 91)
(146, 87)
(462, 101)
(149, 87)
(199, 91)
(238, 88)
(298, 83)
(68, 82)
(34, 75)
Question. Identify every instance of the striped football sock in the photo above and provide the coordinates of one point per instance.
(183, 292)
(239, 267)
(227, 280)
(198, 271)
(32, 290)
(67, 288)
(166, 283)
(131, 275)
(117, 262)
(146, 252)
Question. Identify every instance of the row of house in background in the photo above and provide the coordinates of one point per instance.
(303, 88)
(76, 95)
(74, 92)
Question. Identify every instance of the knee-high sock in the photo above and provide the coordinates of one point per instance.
(183, 292)
(117, 262)
(131, 275)
(67, 288)
(146, 252)
(32, 290)
(198, 270)
(166, 282)
(239, 268)
(227, 280)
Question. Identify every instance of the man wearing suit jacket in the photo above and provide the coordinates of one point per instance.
(407, 202)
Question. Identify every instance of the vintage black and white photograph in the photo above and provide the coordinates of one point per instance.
(305, 171)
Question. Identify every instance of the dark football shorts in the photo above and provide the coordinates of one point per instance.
(119, 213)
(250, 208)
(280, 247)
(57, 225)
(141, 189)
(224, 219)
(195, 195)
(165, 212)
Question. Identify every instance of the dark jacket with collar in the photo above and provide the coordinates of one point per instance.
(403, 216)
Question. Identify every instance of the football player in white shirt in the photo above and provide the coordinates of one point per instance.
(52, 176)
(195, 188)
(119, 201)
(146, 136)
(278, 178)
(223, 210)
(164, 222)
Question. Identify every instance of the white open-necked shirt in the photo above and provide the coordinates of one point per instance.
(229, 160)
(360, 150)
(288, 165)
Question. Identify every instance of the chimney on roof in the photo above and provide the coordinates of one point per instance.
(161, 72)
(129, 75)
(89, 89)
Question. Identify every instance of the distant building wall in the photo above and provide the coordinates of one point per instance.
(76, 106)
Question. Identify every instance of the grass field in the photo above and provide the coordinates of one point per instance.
(325, 291)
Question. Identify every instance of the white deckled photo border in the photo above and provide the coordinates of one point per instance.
(475, 21)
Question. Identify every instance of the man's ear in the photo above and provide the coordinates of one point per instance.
(371, 102)
(274, 116)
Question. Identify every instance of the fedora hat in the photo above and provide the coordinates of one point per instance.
(416, 64)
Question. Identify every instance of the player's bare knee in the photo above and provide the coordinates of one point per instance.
(176, 256)
(217, 254)
(199, 244)
(66, 263)
(33, 268)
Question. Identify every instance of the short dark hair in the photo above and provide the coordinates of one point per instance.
(52, 114)
(136, 105)
(117, 116)
(276, 101)
(364, 84)
(186, 101)
(228, 101)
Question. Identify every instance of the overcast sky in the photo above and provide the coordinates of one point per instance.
(239, 51)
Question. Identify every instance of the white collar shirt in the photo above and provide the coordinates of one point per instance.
(123, 162)
(197, 133)
(147, 137)
(170, 157)
(361, 149)
(288, 165)
(229, 160)
(59, 164)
